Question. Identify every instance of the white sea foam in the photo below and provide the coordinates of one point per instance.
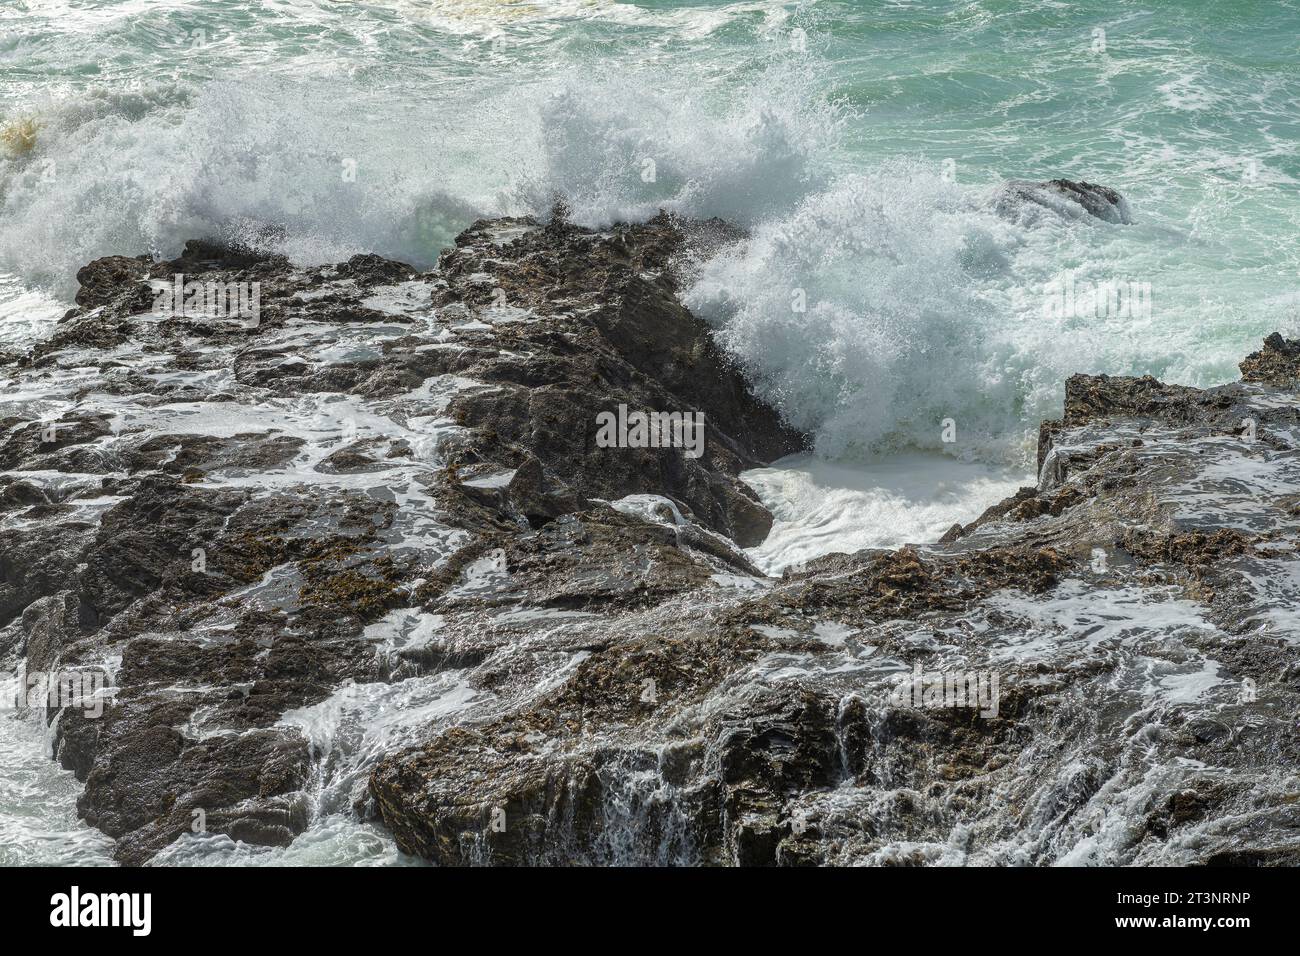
(820, 507)
(38, 818)
(921, 303)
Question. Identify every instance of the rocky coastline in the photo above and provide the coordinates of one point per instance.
(392, 475)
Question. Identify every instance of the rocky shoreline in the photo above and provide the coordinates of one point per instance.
(391, 478)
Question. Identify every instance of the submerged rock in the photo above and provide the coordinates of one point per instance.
(1064, 197)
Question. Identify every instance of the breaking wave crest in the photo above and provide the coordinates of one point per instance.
(875, 303)
(863, 315)
(327, 167)
(319, 173)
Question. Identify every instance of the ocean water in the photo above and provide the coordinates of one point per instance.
(883, 302)
(38, 799)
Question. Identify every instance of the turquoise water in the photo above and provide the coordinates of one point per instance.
(859, 141)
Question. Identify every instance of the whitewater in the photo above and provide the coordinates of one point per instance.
(882, 301)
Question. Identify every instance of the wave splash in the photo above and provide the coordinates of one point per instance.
(862, 314)
(865, 304)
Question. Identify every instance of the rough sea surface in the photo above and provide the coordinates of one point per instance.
(859, 141)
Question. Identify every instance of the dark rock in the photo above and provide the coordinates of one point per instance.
(635, 346)
(212, 255)
(50, 625)
(820, 770)
(368, 270)
(1277, 363)
(1066, 198)
(109, 279)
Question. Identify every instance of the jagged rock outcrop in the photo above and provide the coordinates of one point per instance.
(218, 511)
(386, 493)
(603, 328)
(1136, 607)
(1277, 363)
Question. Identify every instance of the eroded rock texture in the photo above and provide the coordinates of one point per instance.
(1063, 197)
(364, 559)
(234, 519)
(1138, 606)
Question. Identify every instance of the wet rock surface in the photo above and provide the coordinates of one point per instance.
(363, 559)
(1277, 363)
(235, 518)
(1063, 197)
(1137, 608)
